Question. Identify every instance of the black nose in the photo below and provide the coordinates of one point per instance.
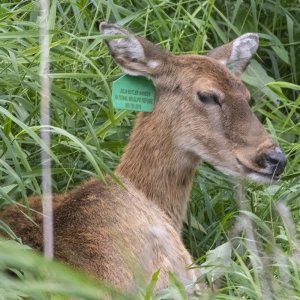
(275, 160)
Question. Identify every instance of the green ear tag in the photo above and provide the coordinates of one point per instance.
(133, 93)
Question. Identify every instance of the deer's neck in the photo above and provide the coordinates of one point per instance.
(154, 164)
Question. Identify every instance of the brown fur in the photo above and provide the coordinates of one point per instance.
(116, 233)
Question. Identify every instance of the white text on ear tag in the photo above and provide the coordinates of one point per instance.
(133, 93)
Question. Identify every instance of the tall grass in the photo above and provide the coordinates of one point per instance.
(88, 137)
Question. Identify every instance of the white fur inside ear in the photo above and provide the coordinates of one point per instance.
(152, 64)
(223, 61)
(244, 47)
(128, 47)
(113, 30)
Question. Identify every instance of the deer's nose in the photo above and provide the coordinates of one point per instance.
(275, 160)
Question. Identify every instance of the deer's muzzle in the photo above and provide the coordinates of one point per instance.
(274, 161)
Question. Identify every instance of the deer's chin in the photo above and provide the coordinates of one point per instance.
(262, 177)
(251, 175)
(229, 172)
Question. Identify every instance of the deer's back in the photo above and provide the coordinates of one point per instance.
(111, 231)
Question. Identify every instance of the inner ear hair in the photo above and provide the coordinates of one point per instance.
(243, 48)
(238, 53)
(134, 55)
(126, 48)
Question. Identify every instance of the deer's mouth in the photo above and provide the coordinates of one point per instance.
(259, 175)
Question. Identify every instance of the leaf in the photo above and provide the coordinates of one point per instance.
(150, 288)
(5, 228)
(177, 290)
(283, 84)
(217, 262)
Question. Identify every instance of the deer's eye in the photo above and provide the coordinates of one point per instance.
(208, 98)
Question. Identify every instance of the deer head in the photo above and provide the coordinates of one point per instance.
(201, 105)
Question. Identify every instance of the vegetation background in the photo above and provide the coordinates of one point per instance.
(246, 241)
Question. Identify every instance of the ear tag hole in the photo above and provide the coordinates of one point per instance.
(133, 93)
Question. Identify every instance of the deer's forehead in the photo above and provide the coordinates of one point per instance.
(193, 66)
(208, 74)
(198, 62)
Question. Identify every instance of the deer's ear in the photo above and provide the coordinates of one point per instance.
(135, 56)
(238, 53)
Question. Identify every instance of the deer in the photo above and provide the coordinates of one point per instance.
(201, 113)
